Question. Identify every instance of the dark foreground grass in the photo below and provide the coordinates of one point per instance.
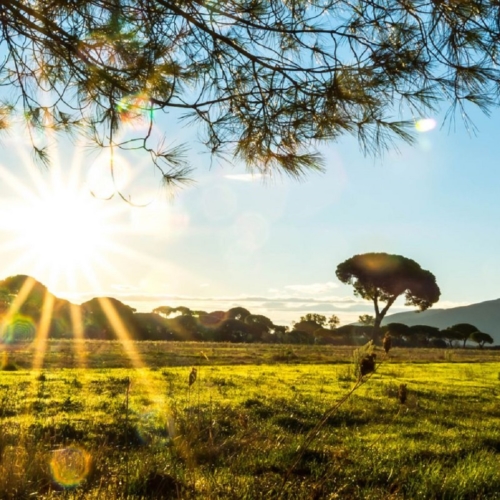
(239, 432)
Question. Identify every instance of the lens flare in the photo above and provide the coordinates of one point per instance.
(70, 466)
(155, 427)
(17, 328)
(219, 202)
(425, 125)
(251, 231)
(134, 108)
(99, 179)
(213, 319)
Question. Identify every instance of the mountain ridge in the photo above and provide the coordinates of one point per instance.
(484, 315)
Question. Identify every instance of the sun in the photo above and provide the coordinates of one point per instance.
(75, 229)
(63, 228)
(79, 230)
(55, 228)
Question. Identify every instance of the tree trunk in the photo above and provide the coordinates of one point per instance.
(376, 327)
(379, 315)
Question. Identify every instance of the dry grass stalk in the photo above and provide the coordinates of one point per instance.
(387, 343)
(367, 364)
(192, 376)
(402, 394)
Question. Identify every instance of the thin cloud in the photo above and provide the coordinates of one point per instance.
(312, 289)
(124, 288)
(148, 297)
(448, 304)
(244, 177)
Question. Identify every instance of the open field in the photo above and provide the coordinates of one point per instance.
(127, 354)
(253, 431)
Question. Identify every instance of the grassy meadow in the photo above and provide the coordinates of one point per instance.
(280, 424)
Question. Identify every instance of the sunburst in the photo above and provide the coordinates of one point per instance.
(57, 224)
(55, 228)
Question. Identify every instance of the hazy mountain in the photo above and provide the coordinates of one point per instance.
(484, 315)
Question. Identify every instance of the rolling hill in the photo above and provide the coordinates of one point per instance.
(484, 315)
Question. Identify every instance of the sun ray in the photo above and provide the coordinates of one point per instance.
(18, 301)
(39, 183)
(12, 245)
(16, 264)
(121, 332)
(144, 379)
(79, 335)
(41, 338)
(55, 230)
(13, 309)
(14, 183)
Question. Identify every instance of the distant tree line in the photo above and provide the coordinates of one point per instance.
(24, 302)
(431, 336)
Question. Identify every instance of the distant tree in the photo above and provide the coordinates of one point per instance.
(424, 333)
(319, 319)
(463, 331)
(167, 311)
(275, 335)
(184, 311)
(239, 313)
(34, 294)
(259, 319)
(213, 319)
(354, 334)
(450, 336)
(345, 333)
(197, 313)
(333, 321)
(234, 330)
(322, 336)
(440, 343)
(152, 326)
(299, 337)
(280, 329)
(399, 334)
(107, 318)
(307, 326)
(366, 319)
(397, 330)
(382, 278)
(185, 327)
(260, 325)
(6, 298)
(481, 338)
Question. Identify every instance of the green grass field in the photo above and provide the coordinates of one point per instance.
(287, 429)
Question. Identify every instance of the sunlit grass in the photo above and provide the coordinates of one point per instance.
(43, 331)
(78, 332)
(236, 431)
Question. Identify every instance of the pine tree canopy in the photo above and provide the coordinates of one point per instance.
(266, 81)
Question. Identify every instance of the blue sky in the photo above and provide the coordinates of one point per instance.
(271, 246)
